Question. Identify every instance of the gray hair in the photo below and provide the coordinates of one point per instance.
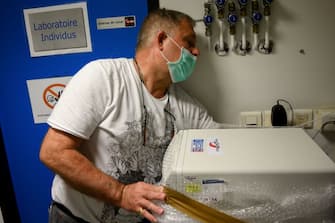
(160, 19)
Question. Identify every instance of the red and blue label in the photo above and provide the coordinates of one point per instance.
(214, 145)
(197, 145)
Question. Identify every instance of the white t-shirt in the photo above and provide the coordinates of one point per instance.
(126, 129)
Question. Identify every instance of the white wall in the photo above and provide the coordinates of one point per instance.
(231, 84)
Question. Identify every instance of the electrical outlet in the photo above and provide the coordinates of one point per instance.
(321, 116)
(251, 119)
(267, 118)
(303, 118)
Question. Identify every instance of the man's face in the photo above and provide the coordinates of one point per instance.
(185, 37)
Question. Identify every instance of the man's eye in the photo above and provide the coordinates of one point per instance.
(191, 44)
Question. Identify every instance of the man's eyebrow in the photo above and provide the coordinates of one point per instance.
(190, 37)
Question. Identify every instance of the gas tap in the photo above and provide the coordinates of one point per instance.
(208, 21)
(243, 46)
(256, 18)
(221, 48)
(232, 20)
(265, 45)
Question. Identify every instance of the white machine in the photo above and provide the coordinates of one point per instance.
(257, 175)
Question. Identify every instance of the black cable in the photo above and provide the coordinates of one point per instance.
(292, 115)
(327, 123)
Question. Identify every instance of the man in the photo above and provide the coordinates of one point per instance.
(114, 121)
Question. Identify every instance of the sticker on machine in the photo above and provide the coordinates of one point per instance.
(213, 189)
(197, 145)
(214, 146)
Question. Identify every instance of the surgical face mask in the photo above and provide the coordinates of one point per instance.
(181, 69)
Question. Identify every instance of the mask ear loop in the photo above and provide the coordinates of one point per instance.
(165, 58)
(181, 49)
(161, 41)
(174, 41)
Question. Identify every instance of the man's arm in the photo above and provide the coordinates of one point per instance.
(59, 153)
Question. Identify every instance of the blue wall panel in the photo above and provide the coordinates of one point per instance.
(22, 138)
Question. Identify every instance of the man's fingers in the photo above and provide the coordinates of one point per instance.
(149, 211)
(152, 207)
(145, 213)
(139, 197)
(155, 194)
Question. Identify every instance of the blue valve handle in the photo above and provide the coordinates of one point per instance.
(232, 18)
(220, 3)
(243, 2)
(208, 19)
(256, 17)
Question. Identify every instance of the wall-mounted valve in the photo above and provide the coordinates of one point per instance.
(243, 7)
(208, 21)
(267, 8)
(256, 17)
(265, 45)
(238, 28)
(243, 47)
(220, 5)
(232, 17)
(232, 20)
(221, 48)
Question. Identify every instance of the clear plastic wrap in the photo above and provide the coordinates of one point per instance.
(308, 205)
(257, 176)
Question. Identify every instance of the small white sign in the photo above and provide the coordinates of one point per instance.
(44, 95)
(58, 29)
(116, 22)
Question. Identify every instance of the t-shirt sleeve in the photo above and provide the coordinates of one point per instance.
(82, 104)
(194, 115)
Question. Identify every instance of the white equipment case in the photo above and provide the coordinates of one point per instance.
(255, 174)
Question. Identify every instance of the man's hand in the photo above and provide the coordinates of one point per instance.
(138, 197)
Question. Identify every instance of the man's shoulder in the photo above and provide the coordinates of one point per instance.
(107, 62)
(109, 66)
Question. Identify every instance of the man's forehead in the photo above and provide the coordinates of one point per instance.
(190, 36)
(186, 30)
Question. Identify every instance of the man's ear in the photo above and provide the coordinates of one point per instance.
(161, 36)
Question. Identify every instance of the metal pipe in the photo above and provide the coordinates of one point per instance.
(232, 20)
(243, 47)
(256, 18)
(208, 20)
(244, 33)
(266, 32)
(265, 45)
(221, 47)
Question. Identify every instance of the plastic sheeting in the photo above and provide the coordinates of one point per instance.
(266, 182)
(308, 205)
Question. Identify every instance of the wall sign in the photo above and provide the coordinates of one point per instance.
(44, 95)
(58, 29)
(116, 22)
